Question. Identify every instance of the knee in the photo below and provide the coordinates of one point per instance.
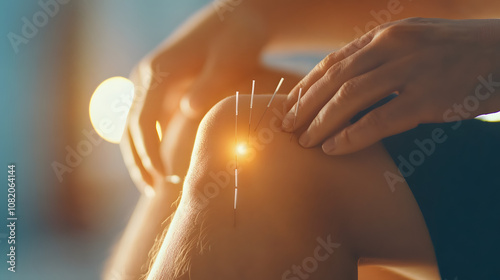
(225, 141)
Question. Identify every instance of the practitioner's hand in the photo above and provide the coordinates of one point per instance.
(194, 67)
(443, 70)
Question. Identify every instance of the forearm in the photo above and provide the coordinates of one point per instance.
(323, 23)
(310, 24)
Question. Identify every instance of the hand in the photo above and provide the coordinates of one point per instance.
(196, 65)
(442, 70)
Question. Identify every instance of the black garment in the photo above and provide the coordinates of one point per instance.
(456, 182)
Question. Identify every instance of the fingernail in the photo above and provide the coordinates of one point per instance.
(304, 140)
(287, 122)
(329, 146)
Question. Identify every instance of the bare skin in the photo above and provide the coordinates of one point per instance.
(204, 50)
(189, 64)
(131, 256)
(289, 199)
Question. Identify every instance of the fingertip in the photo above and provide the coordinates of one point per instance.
(305, 140)
(329, 146)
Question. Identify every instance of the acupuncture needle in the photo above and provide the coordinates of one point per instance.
(269, 104)
(236, 162)
(296, 111)
(251, 106)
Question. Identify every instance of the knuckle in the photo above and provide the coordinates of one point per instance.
(328, 61)
(393, 32)
(302, 84)
(334, 71)
(347, 90)
(409, 30)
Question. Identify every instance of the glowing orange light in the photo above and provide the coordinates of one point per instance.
(241, 149)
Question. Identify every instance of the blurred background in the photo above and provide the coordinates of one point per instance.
(74, 195)
(67, 224)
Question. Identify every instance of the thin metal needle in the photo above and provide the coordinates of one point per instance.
(251, 106)
(269, 104)
(236, 130)
(236, 161)
(296, 111)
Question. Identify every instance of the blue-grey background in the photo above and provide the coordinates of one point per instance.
(65, 230)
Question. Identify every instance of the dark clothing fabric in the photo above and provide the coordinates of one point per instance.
(453, 170)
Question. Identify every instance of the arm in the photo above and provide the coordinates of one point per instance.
(327, 23)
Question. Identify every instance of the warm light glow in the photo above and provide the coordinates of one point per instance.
(241, 149)
(158, 130)
(109, 107)
(149, 191)
(174, 179)
(493, 117)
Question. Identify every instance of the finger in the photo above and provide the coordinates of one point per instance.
(138, 174)
(367, 59)
(399, 115)
(354, 96)
(142, 121)
(146, 142)
(320, 69)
